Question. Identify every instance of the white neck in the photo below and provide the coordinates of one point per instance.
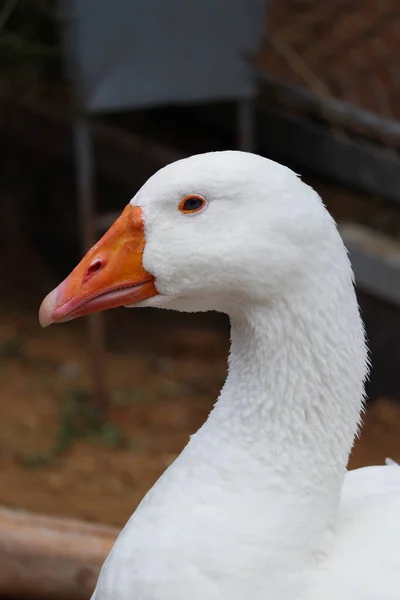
(289, 410)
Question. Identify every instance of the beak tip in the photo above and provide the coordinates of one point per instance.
(46, 309)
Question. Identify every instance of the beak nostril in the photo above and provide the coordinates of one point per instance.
(94, 267)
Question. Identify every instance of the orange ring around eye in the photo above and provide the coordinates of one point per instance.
(192, 198)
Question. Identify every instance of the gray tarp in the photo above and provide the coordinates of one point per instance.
(135, 53)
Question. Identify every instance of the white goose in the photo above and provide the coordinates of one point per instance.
(259, 505)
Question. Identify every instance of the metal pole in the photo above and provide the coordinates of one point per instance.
(84, 172)
(245, 125)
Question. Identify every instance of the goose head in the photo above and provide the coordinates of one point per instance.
(215, 231)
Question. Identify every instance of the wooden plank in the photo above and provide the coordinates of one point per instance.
(376, 261)
(360, 165)
(336, 112)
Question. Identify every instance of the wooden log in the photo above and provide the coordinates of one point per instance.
(50, 558)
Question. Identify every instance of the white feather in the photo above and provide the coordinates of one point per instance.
(259, 505)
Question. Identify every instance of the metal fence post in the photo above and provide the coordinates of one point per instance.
(85, 183)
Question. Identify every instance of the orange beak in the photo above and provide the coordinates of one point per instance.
(110, 275)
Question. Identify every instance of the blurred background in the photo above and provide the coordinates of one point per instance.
(95, 96)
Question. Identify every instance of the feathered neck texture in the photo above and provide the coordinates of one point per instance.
(294, 392)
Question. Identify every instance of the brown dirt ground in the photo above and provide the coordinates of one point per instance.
(164, 371)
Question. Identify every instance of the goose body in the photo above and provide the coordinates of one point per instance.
(259, 505)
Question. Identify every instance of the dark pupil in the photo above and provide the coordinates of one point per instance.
(192, 204)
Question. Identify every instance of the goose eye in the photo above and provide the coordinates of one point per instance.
(192, 203)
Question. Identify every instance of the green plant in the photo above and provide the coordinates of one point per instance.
(78, 421)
